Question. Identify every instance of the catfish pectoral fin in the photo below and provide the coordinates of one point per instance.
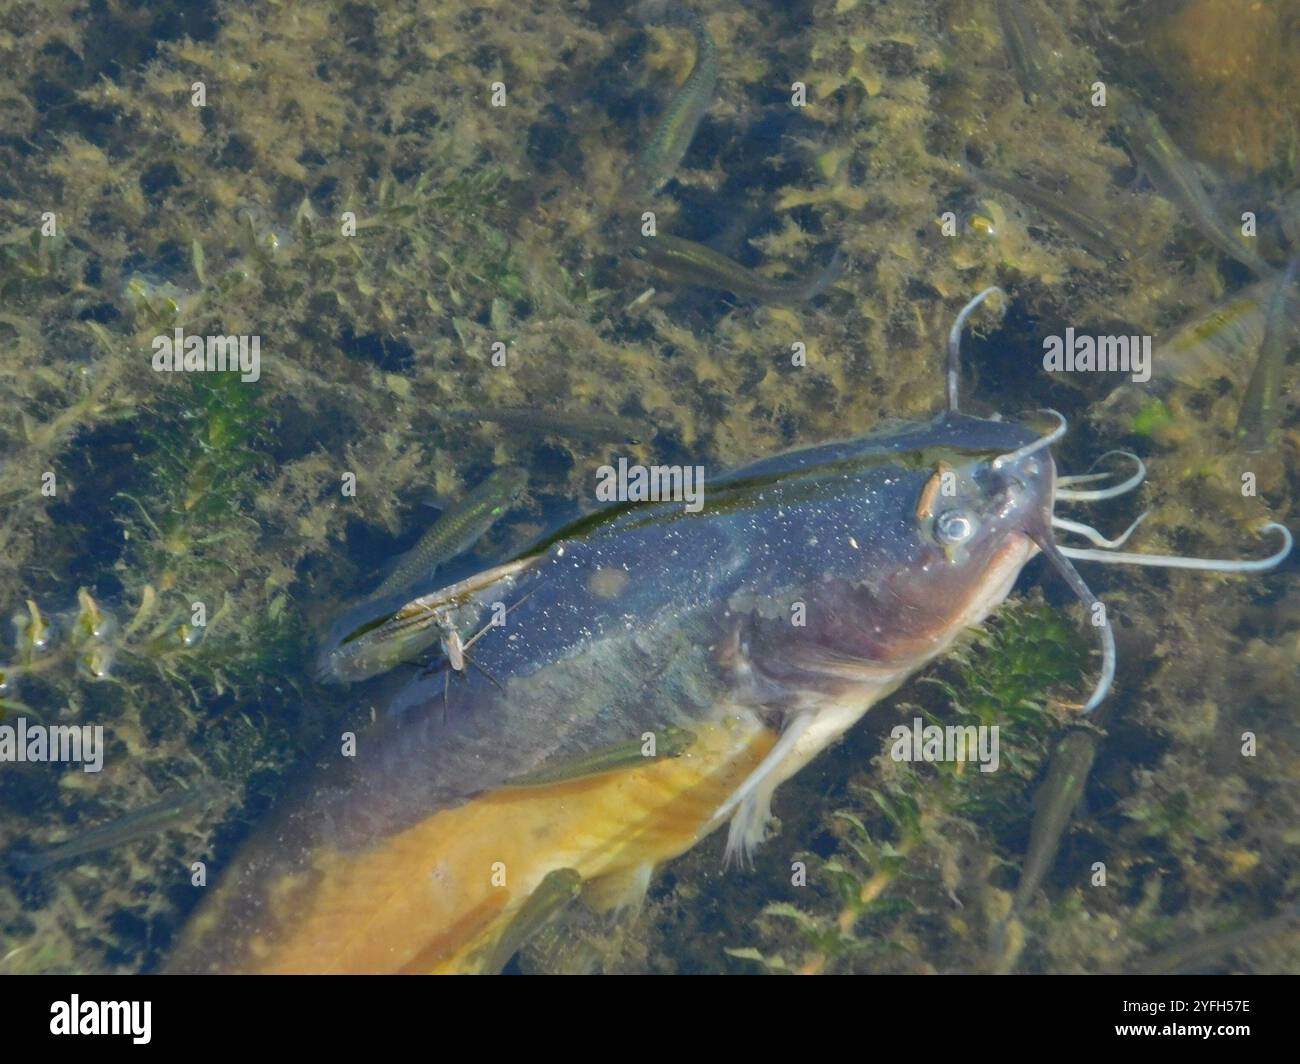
(752, 800)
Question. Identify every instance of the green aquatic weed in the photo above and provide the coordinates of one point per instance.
(1151, 418)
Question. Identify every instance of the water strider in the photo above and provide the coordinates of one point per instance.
(390, 626)
(811, 585)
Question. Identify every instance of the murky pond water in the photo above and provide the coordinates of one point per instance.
(345, 352)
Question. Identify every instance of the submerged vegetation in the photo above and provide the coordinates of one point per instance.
(347, 191)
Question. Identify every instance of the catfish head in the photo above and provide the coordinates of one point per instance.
(914, 537)
(917, 543)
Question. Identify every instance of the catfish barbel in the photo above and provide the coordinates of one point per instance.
(640, 623)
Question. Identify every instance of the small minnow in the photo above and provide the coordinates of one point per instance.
(1175, 177)
(574, 425)
(1217, 341)
(669, 742)
(375, 637)
(1058, 209)
(664, 151)
(391, 626)
(577, 943)
(692, 263)
(1055, 803)
(383, 632)
(1024, 49)
(148, 820)
(553, 895)
(455, 531)
(1259, 408)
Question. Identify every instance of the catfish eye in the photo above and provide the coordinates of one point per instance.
(954, 526)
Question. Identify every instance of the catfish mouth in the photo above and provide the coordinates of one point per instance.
(1012, 554)
(1041, 522)
(971, 601)
(1037, 532)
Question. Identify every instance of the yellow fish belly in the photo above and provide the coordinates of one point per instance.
(434, 897)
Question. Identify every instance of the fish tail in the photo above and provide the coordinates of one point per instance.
(829, 274)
